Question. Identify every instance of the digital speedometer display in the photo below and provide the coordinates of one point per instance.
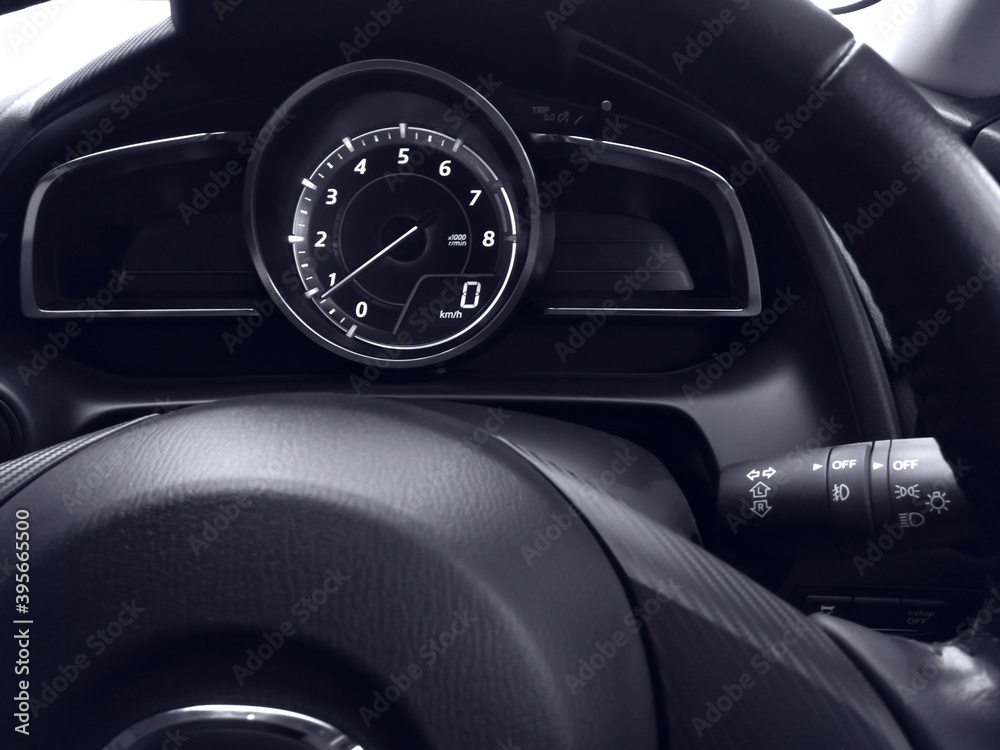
(401, 240)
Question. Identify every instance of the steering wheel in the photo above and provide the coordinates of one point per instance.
(410, 575)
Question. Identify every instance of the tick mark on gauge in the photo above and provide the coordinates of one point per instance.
(350, 146)
(308, 184)
(402, 130)
(295, 238)
(351, 330)
(311, 293)
(458, 145)
(328, 164)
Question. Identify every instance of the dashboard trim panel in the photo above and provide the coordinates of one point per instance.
(723, 199)
(30, 305)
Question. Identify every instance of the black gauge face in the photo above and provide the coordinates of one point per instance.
(404, 237)
(401, 241)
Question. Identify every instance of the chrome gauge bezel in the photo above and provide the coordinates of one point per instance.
(353, 102)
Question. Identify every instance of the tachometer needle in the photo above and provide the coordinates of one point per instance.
(371, 260)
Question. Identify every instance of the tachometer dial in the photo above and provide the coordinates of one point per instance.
(404, 237)
(400, 242)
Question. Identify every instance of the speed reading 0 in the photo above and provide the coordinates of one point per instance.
(404, 237)
(401, 241)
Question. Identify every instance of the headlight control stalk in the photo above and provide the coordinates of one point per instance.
(834, 502)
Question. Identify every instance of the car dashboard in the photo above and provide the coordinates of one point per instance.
(558, 231)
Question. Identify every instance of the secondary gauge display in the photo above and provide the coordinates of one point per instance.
(404, 237)
(386, 230)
